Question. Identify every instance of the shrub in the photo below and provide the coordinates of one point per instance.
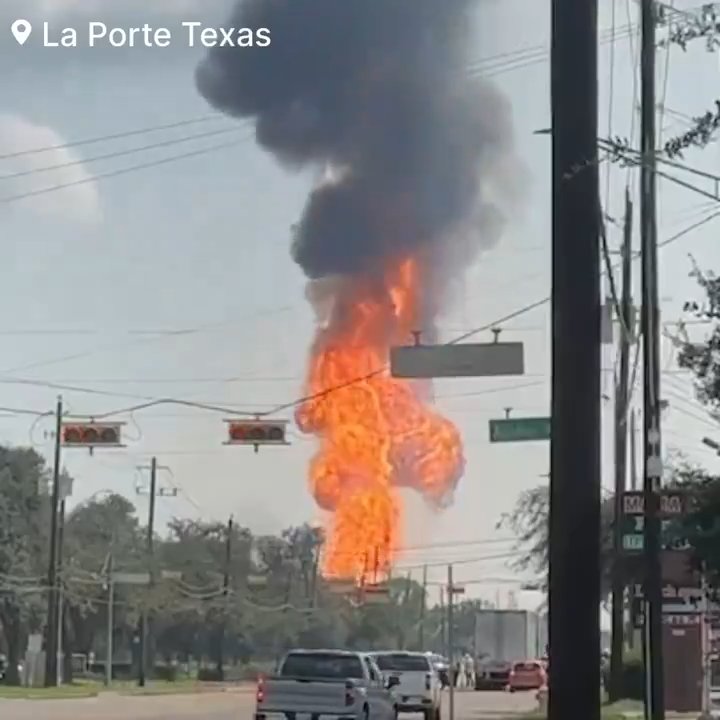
(166, 673)
(209, 675)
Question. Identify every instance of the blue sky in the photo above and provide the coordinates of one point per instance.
(96, 276)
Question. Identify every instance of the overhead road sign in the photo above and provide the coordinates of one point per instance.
(462, 360)
(520, 429)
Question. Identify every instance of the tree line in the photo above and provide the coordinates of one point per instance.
(220, 595)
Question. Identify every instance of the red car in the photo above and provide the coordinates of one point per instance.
(528, 675)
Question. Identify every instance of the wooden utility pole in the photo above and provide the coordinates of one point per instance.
(145, 629)
(621, 435)
(574, 546)
(651, 369)
(226, 593)
(51, 637)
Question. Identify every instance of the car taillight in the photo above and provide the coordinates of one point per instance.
(349, 696)
(428, 681)
(260, 693)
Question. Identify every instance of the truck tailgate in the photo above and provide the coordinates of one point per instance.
(412, 684)
(317, 697)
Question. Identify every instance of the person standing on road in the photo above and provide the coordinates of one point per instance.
(456, 673)
(468, 670)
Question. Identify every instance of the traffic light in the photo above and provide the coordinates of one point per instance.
(91, 434)
(256, 432)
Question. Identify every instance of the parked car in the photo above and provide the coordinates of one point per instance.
(338, 683)
(492, 675)
(419, 689)
(528, 675)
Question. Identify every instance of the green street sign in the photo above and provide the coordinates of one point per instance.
(520, 429)
(633, 539)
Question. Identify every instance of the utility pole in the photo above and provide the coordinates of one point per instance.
(651, 369)
(60, 592)
(226, 592)
(51, 638)
(574, 534)
(443, 624)
(423, 605)
(451, 641)
(633, 486)
(621, 434)
(145, 622)
(110, 623)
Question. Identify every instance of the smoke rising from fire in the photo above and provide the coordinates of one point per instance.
(415, 157)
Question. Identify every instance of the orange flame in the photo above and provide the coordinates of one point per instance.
(376, 434)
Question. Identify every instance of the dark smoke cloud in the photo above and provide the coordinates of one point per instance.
(380, 91)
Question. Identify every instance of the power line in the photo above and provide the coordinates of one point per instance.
(113, 136)
(116, 173)
(121, 153)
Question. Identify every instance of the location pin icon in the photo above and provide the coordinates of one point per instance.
(21, 30)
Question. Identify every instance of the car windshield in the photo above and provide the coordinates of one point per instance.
(402, 663)
(332, 666)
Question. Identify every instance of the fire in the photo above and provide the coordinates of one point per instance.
(376, 434)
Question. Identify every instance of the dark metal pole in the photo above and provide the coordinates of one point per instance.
(145, 623)
(423, 605)
(51, 645)
(574, 576)
(621, 436)
(60, 596)
(651, 368)
(451, 640)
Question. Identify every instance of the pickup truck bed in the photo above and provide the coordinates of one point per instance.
(324, 697)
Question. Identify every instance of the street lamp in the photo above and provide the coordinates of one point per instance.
(709, 442)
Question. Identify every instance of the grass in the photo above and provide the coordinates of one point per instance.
(64, 692)
(89, 688)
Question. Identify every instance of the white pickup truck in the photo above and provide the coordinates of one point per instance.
(326, 683)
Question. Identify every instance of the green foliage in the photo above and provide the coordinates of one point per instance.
(23, 543)
(208, 611)
(529, 523)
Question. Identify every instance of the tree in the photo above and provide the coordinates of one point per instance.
(23, 548)
(529, 522)
(94, 531)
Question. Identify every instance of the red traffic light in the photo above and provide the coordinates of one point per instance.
(256, 432)
(91, 434)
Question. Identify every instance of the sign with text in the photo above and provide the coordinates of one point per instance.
(461, 360)
(672, 503)
(520, 429)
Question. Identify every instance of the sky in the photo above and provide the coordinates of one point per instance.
(175, 279)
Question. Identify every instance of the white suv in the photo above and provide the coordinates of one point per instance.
(419, 689)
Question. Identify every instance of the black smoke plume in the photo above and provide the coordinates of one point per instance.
(384, 93)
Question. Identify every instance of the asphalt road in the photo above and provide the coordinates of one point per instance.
(228, 706)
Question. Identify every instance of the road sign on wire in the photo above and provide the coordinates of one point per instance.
(520, 429)
(462, 360)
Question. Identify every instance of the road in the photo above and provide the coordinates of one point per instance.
(227, 706)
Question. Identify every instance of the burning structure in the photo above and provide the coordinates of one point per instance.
(412, 150)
